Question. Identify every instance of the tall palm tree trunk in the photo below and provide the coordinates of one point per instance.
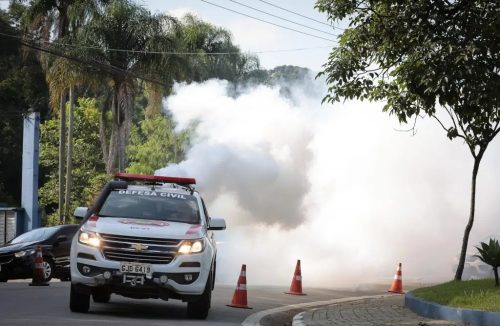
(62, 143)
(69, 157)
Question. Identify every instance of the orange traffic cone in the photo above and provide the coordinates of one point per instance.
(240, 294)
(397, 284)
(296, 286)
(38, 270)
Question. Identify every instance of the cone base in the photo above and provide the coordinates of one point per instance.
(296, 293)
(39, 284)
(238, 306)
(397, 292)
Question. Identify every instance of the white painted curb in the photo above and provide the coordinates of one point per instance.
(254, 319)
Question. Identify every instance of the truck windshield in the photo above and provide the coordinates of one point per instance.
(152, 205)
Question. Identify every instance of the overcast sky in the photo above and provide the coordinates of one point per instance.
(252, 35)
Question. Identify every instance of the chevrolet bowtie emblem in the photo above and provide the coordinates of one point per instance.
(139, 247)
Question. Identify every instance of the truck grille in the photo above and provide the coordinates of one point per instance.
(6, 258)
(138, 249)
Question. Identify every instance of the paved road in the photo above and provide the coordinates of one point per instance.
(389, 310)
(21, 304)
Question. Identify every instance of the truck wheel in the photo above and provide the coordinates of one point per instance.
(78, 302)
(199, 309)
(101, 296)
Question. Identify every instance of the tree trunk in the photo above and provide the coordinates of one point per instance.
(62, 137)
(495, 270)
(69, 157)
(103, 127)
(120, 132)
(125, 108)
(465, 241)
(111, 156)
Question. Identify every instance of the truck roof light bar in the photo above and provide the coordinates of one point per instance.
(155, 178)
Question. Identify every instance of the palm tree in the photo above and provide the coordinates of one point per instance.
(490, 254)
(126, 25)
(64, 77)
(207, 40)
(62, 18)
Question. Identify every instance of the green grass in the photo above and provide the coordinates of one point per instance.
(474, 294)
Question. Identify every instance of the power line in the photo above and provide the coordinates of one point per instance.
(296, 13)
(267, 22)
(93, 63)
(108, 68)
(162, 52)
(276, 16)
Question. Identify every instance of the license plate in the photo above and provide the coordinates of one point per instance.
(135, 268)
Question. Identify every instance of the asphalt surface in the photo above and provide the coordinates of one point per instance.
(26, 305)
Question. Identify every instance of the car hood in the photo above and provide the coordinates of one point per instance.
(144, 228)
(16, 246)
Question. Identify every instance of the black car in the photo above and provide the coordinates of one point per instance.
(18, 255)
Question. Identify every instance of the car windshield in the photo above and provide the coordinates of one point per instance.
(35, 235)
(152, 205)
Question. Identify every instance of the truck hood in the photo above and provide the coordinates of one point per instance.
(144, 228)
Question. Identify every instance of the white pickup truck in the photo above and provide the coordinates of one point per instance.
(145, 237)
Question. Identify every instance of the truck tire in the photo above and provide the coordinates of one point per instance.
(101, 296)
(78, 302)
(199, 309)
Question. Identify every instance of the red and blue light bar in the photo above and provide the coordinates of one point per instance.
(155, 178)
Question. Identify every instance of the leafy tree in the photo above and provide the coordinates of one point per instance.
(432, 58)
(489, 253)
(59, 19)
(88, 167)
(154, 144)
(22, 88)
(123, 24)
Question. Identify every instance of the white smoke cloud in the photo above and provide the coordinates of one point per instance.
(336, 187)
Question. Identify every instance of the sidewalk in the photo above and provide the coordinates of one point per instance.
(389, 310)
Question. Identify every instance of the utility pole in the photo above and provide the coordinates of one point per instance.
(69, 157)
(62, 137)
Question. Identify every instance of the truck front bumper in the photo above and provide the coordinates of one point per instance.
(184, 277)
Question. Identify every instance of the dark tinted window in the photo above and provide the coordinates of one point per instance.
(151, 205)
(36, 235)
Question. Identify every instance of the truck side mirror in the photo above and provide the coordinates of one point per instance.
(217, 224)
(80, 212)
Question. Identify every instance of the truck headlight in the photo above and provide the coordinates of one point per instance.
(23, 253)
(89, 238)
(191, 246)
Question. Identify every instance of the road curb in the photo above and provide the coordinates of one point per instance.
(254, 319)
(438, 311)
